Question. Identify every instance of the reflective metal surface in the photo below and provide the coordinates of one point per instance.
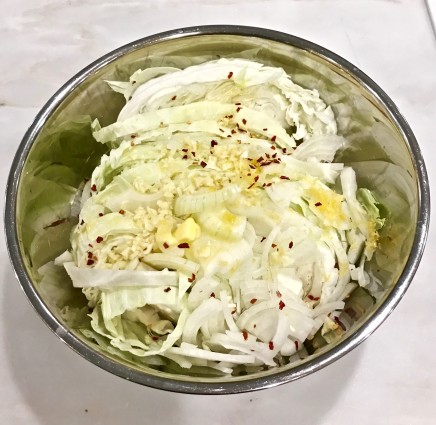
(382, 149)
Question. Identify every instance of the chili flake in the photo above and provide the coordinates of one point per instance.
(167, 289)
(230, 75)
(185, 157)
(213, 143)
(273, 245)
(183, 245)
(318, 204)
(212, 295)
(174, 98)
(312, 298)
(282, 305)
(94, 188)
(122, 212)
(271, 345)
(238, 109)
(192, 278)
(273, 139)
(291, 244)
(244, 121)
(99, 239)
(253, 300)
(165, 245)
(279, 294)
(203, 164)
(154, 338)
(296, 345)
(245, 335)
(90, 262)
(284, 177)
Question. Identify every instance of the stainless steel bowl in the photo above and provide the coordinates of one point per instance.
(382, 149)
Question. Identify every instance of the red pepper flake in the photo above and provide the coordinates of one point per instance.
(203, 164)
(254, 326)
(90, 245)
(238, 104)
(220, 129)
(228, 136)
(90, 262)
(338, 321)
(192, 278)
(212, 295)
(183, 245)
(252, 166)
(318, 204)
(263, 238)
(284, 150)
(256, 179)
(273, 245)
(89, 254)
(99, 239)
(273, 139)
(94, 188)
(230, 75)
(251, 185)
(269, 184)
(82, 222)
(185, 157)
(167, 289)
(273, 148)
(271, 345)
(133, 136)
(291, 244)
(238, 109)
(213, 143)
(296, 345)
(274, 155)
(264, 129)
(174, 98)
(245, 335)
(312, 298)
(233, 131)
(336, 266)
(185, 150)
(193, 154)
(279, 294)
(244, 121)
(122, 212)
(233, 312)
(260, 159)
(282, 305)
(253, 300)
(267, 155)
(154, 338)
(249, 174)
(284, 177)
(165, 245)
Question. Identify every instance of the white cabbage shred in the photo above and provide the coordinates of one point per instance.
(210, 234)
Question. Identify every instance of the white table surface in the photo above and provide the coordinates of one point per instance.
(390, 379)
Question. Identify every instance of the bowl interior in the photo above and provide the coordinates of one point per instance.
(59, 152)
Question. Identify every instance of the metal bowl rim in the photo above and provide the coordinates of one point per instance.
(250, 384)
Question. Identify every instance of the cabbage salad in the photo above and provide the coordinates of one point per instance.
(218, 231)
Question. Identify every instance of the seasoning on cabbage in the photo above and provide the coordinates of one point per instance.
(218, 231)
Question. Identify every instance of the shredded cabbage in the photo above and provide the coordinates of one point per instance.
(218, 231)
